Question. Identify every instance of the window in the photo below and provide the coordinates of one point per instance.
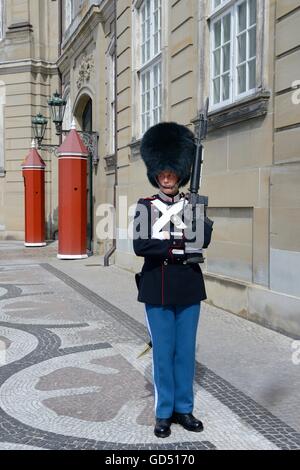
(150, 63)
(222, 46)
(1, 19)
(246, 46)
(217, 3)
(68, 13)
(77, 5)
(233, 50)
(68, 118)
(111, 99)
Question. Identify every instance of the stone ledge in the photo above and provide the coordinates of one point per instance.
(110, 162)
(135, 149)
(22, 26)
(251, 107)
(274, 310)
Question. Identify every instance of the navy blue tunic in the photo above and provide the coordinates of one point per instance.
(163, 280)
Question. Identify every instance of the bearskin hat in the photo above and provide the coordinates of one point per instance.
(168, 146)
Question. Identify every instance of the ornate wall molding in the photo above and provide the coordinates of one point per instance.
(86, 70)
(135, 149)
(110, 162)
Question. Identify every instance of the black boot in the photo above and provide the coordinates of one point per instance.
(163, 427)
(188, 421)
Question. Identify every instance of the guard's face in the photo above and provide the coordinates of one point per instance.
(168, 181)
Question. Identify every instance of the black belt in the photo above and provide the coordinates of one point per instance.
(174, 261)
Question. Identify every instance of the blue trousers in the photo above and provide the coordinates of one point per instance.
(173, 330)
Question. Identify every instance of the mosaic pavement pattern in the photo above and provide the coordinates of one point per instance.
(70, 377)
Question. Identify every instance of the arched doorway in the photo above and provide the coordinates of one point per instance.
(87, 125)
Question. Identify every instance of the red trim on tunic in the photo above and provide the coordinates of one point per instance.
(170, 254)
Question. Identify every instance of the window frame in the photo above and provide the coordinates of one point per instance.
(2, 20)
(69, 4)
(249, 91)
(68, 116)
(223, 4)
(149, 65)
(152, 109)
(111, 97)
(153, 56)
(231, 6)
(230, 99)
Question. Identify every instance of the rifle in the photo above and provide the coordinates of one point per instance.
(196, 178)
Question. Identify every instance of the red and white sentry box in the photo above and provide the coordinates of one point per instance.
(72, 197)
(33, 169)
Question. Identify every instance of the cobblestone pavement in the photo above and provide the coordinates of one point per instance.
(70, 376)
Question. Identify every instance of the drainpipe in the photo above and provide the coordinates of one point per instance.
(114, 245)
(60, 35)
(60, 32)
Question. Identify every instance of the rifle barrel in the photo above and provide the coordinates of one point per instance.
(197, 164)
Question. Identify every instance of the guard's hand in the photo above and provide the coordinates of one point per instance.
(198, 198)
(166, 235)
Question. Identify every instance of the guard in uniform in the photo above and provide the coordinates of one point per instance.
(170, 287)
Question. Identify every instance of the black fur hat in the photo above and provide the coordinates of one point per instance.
(168, 146)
